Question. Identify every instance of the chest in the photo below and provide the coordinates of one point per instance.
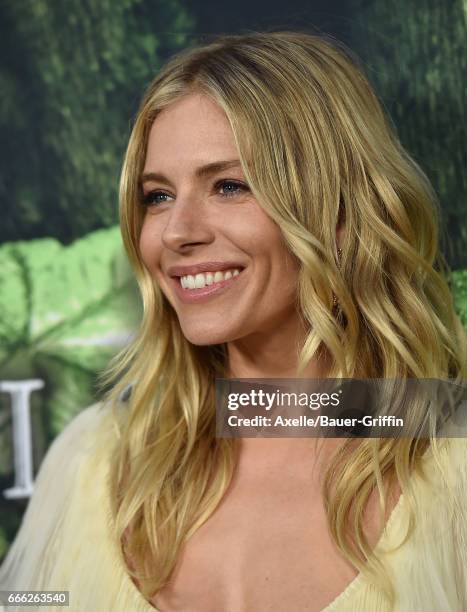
(266, 548)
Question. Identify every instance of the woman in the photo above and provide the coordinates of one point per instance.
(253, 163)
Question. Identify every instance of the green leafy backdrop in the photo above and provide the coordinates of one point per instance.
(71, 75)
(415, 53)
(63, 313)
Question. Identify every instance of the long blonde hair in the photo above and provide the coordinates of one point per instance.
(316, 149)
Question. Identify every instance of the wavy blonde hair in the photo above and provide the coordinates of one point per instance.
(316, 149)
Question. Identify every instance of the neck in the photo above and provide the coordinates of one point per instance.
(266, 355)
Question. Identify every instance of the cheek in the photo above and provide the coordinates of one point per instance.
(254, 230)
(261, 237)
(150, 247)
(284, 266)
(269, 241)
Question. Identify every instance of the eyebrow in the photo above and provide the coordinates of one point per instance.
(201, 172)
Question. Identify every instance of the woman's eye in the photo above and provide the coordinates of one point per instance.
(230, 188)
(155, 197)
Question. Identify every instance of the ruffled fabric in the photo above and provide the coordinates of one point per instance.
(429, 571)
(65, 541)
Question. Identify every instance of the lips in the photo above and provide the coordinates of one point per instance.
(210, 266)
(190, 296)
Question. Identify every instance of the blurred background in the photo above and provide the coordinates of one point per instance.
(72, 73)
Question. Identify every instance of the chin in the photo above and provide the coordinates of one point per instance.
(204, 337)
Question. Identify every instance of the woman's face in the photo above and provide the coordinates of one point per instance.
(202, 221)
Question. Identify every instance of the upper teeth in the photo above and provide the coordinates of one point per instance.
(206, 278)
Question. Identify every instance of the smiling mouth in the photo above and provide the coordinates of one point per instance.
(191, 282)
(207, 285)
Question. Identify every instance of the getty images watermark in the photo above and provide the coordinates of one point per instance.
(340, 408)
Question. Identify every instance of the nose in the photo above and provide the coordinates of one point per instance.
(187, 225)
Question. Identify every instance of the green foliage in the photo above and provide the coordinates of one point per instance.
(63, 314)
(415, 53)
(71, 76)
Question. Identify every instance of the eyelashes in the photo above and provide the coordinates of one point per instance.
(232, 189)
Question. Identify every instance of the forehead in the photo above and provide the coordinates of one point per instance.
(193, 128)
